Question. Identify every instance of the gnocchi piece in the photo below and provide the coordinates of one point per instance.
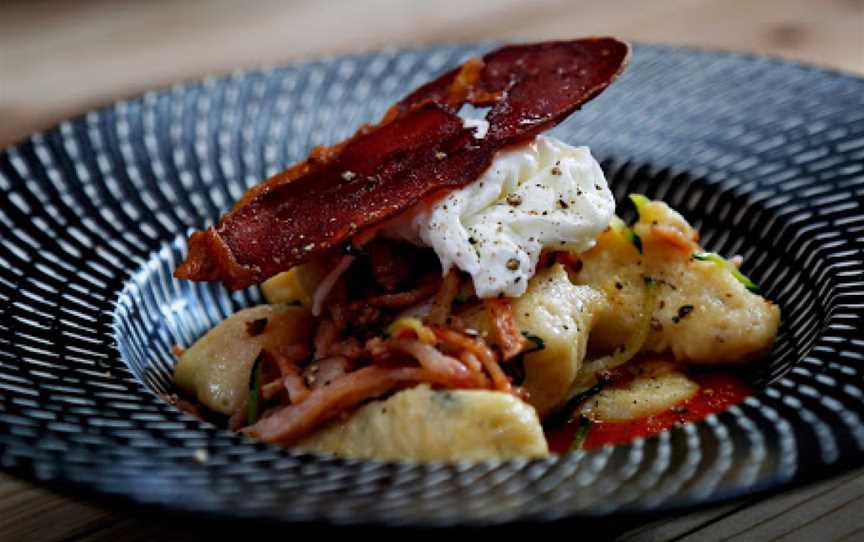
(613, 267)
(704, 314)
(657, 389)
(295, 286)
(559, 313)
(216, 367)
(420, 424)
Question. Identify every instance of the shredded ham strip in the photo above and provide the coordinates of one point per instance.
(288, 358)
(458, 341)
(349, 348)
(474, 365)
(471, 361)
(337, 314)
(342, 391)
(290, 423)
(675, 238)
(238, 420)
(325, 336)
(443, 300)
(323, 372)
(510, 338)
(295, 386)
(403, 299)
(322, 292)
(327, 386)
(431, 359)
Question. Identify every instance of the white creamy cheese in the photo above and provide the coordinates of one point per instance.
(546, 194)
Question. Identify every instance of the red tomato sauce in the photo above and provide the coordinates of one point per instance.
(717, 392)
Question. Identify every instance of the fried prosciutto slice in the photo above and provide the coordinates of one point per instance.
(419, 152)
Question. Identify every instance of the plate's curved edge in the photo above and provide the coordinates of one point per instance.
(803, 479)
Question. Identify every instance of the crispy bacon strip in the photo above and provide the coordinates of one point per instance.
(418, 152)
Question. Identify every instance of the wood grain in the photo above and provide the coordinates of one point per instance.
(58, 59)
(827, 511)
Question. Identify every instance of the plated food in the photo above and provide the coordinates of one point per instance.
(443, 284)
(89, 328)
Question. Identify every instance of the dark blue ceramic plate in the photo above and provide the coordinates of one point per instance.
(766, 158)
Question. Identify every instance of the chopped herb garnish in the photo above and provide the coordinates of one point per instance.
(639, 201)
(539, 344)
(626, 232)
(650, 283)
(565, 413)
(720, 261)
(254, 390)
(635, 239)
(581, 435)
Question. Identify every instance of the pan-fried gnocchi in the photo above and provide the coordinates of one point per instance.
(704, 314)
(559, 314)
(424, 425)
(216, 368)
(656, 388)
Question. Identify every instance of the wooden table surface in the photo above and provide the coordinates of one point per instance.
(61, 58)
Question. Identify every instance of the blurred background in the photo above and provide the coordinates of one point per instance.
(59, 58)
